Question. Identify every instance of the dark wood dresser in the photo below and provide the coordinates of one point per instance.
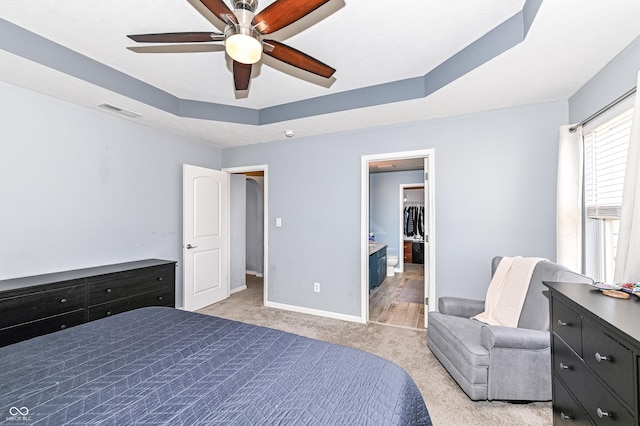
(595, 352)
(41, 304)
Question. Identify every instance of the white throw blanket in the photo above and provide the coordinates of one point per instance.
(507, 291)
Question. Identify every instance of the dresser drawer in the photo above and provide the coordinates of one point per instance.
(42, 304)
(610, 360)
(567, 324)
(566, 410)
(592, 396)
(38, 328)
(124, 285)
(162, 298)
(567, 365)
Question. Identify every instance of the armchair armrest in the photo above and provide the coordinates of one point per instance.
(493, 336)
(460, 307)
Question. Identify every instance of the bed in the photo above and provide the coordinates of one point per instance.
(166, 366)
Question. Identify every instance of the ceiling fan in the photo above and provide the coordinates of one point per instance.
(244, 35)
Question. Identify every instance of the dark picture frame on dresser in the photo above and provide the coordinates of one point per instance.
(595, 353)
(41, 304)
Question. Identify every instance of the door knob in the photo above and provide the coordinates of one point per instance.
(189, 246)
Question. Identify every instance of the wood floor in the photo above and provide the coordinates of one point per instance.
(384, 306)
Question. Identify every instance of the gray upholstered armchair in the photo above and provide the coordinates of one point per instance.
(495, 362)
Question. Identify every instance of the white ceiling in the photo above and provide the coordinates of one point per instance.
(369, 43)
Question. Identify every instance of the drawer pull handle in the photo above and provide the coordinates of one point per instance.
(159, 297)
(160, 278)
(63, 300)
(564, 416)
(562, 323)
(601, 413)
(601, 358)
(564, 366)
(108, 290)
(108, 313)
(62, 327)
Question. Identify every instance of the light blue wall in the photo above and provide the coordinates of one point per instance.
(620, 75)
(495, 175)
(84, 188)
(237, 231)
(255, 224)
(384, 210)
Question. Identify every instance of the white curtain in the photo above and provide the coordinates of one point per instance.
(569, 199)
(627, 267)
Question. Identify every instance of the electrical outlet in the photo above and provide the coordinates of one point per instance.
(316, 287)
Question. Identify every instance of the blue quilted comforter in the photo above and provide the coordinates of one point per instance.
(165, 366)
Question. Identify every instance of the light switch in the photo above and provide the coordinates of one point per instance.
(278, 222)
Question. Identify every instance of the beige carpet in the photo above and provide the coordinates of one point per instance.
(446, 402)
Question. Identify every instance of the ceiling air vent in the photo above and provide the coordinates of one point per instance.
(117, 110)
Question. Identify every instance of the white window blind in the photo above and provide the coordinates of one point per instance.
(605, 155)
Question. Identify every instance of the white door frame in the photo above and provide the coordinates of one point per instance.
(430, 275)
(265, 169)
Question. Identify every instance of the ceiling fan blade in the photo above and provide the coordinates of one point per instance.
(296, 58)
(220, 9)
(284, 12)
(192, 37)
(241, 75)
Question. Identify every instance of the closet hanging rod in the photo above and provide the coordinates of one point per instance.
(604, 109)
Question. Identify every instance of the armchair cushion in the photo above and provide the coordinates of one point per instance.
(464, 336)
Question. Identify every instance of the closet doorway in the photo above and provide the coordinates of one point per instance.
(412, 220)
(401, 298)
(249, 203)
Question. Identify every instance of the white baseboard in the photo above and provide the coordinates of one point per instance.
(235, 290)
(316, 312)
(257, 274)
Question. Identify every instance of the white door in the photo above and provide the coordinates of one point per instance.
(205, 236)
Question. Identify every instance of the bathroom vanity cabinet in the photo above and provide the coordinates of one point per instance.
(377, 264)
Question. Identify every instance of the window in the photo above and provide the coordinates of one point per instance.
(605, 159)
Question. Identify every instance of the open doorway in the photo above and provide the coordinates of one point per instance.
(398, 250)
(249, 231)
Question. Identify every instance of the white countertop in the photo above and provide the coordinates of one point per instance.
(374, 247)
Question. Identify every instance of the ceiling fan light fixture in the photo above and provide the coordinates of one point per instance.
(243, 48)
(243, 44)
(244, 36)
